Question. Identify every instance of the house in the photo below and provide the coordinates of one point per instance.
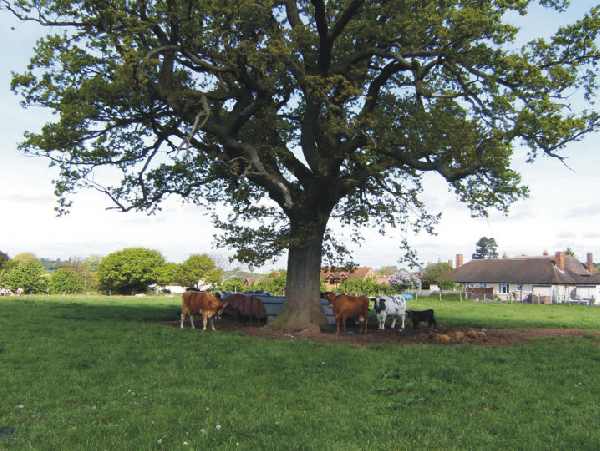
(332, 277)
(548, 279)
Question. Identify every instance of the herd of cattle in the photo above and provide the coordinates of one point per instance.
(211, 305)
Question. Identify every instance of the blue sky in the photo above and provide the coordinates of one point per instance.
(563, 208)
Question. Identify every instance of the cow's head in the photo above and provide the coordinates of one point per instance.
(219, 312)
(379, 305)
(329, 296)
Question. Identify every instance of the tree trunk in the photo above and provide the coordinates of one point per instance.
(303, 310)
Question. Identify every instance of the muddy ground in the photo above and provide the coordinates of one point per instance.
(424, 335)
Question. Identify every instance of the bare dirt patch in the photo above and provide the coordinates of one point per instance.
(440, 336)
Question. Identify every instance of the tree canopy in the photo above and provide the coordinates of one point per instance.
(129, 271)
(294, 112)
(439, 274)
(25, 273)
(198, 268)
(486, 248)
(4, 258)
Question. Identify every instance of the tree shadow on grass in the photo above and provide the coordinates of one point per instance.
(138, 312)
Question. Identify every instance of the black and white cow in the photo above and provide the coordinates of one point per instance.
(394, 306)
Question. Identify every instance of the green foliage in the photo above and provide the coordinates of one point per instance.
(168, 274)
(130, 270)
(367, 286)
(196, 268)
(486, 248)
(233, 284)
(25, 257)
(4, 258)
(66, 280)
(373, 95)
(570, 252)
(439, 274)
(387, 270)
(25, 273)
(273, 283)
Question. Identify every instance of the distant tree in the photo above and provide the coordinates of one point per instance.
(403, 280)
(274, 283)
(570, 252)
(367, 286)
(27, 274)
(439, 274)
(66, 280)
(233, 284)
(129, 271)
(24, 257)
(52, 265)
(4, 258)
(92, 262)
(486, 248)
(199, 267)
(387, 270)
(168, 273)
(86, 270)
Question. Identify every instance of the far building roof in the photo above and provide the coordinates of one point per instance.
(526, 270)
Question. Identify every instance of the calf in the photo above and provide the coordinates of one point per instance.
(394, 306)
(201, 302)
(345, 306)
(421, 316)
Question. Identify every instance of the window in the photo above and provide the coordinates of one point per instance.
(503, 288)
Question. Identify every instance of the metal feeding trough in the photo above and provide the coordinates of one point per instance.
(274, 305)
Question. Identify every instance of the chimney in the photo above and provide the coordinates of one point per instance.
(459, 260)
(545, 253)
(559, 260)
(590, 262)
(450, 263)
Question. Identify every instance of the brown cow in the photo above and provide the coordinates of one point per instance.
(345, 306)
(245, 306)
(201, 302)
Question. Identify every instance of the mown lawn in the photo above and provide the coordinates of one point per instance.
(469, 313)
(100, 374)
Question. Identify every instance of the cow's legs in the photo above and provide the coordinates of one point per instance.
(393, 325)
(204, 320)
(212, 322)
(192, 321)
(403, 317)
(181, 322)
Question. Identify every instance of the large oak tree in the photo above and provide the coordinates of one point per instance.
(294, 112)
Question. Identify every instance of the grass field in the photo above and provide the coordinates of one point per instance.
(100, 374)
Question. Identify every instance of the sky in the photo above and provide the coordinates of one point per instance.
(563, 209)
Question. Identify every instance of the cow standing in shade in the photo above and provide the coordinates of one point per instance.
(394, 306)
(345, 306)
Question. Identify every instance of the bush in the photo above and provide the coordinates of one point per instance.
(439, 274)
(130, 271)
(273, 283)
(196, 268)
(235, 284)
(367, 287)
(66, 281)
(28, 275)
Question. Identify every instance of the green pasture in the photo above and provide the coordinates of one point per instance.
(103, 373)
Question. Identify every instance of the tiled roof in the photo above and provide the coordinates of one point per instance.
(525, 270)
